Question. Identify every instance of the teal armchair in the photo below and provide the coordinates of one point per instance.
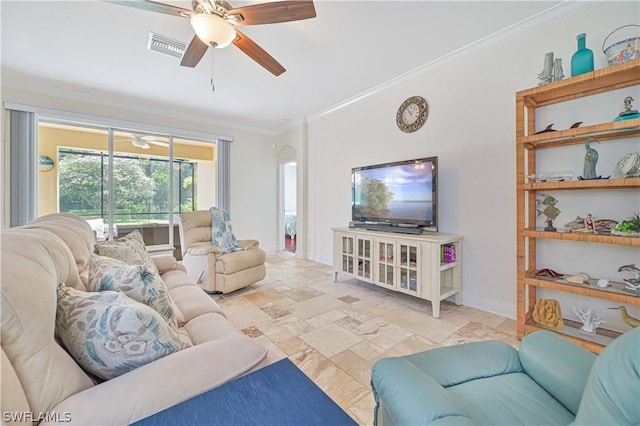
(549, 380)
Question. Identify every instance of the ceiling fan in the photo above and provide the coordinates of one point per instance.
(141, 141)
(215, 21)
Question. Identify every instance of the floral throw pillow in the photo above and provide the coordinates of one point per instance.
(136, 281)
(109, 334)
(128, 249)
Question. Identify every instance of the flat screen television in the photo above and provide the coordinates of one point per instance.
(397, 196)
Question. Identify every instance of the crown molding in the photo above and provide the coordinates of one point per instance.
(546, 17)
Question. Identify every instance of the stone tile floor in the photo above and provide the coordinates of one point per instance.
(334, 332)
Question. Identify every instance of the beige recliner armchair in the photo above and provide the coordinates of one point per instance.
(213, 270)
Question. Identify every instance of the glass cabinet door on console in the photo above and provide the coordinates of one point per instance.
(347, 254)
(363, 258)
(409, 268)
(385, 274)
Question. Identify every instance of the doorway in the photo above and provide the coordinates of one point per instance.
(289, 185)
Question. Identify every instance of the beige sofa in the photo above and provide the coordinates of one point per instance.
(41, 379)
(213, 270)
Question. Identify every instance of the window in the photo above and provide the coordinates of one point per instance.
(140, 186)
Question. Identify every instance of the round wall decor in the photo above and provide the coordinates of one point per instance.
(412, 114)
(45, 163)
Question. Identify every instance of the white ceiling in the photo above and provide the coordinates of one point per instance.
(351, 47)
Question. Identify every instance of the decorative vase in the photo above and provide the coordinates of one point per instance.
(582, 60)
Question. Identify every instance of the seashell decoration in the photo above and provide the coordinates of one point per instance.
(629, 165)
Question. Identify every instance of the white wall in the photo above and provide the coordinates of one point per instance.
(254, 182)
(253, 171)
(471, 128)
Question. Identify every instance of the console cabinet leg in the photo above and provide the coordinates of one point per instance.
(435, 307)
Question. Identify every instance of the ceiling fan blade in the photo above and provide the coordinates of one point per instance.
(271, 13)
(258, 54)
(153, 6)
(195, 51)
(154, 142)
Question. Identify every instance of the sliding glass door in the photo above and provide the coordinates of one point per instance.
(121, 180)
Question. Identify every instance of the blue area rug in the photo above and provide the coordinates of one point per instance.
(279, 394)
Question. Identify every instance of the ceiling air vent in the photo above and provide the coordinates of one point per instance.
(166, 45)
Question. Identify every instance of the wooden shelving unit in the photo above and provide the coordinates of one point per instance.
(527, 142)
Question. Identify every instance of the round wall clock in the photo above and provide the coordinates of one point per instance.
(412, 114)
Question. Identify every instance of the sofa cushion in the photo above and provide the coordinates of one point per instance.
(13, 398)
(191, 304)
(75, 232)
(136, 281)
(174, 279)
(128, 249)
(510, 399)
(32, 263)
(109, 334)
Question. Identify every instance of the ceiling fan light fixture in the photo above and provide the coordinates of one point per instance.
(212, 29)
(139, 143)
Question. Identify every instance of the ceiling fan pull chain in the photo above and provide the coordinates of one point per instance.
(213, 86)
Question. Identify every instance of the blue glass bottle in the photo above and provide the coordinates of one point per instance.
(582, 60)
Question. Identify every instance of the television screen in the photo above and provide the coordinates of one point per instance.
(400, 193)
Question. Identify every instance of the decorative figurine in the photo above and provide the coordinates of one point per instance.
(577, 223)
(550, 226)
(557, 70)
(590, 160)
(590, 319)
(588, 225)
(546, 76)
(631, 321)
(546, 129)
(552, 176)
(632, 283)
(628, 113)
(576, 124)
(546, 205)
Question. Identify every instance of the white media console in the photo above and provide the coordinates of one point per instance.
(427, 266)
